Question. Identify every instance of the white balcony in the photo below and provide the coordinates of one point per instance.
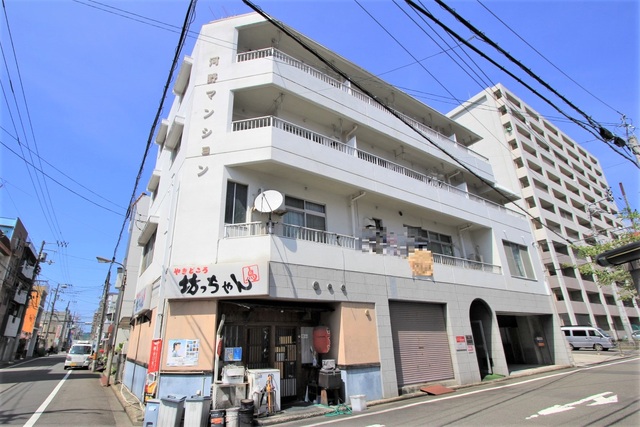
(347, 150)
(288, 231)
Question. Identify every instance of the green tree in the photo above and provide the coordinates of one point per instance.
(606, 276)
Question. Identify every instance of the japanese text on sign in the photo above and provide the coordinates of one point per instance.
(197, 281)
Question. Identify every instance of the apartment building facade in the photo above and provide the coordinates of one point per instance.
(18, 261)
(285, 199)
(564, 190)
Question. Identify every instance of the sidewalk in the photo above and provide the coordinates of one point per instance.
(581, 358)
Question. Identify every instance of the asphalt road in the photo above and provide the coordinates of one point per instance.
(602, 395)
(39, 392)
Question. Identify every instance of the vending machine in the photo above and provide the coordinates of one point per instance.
(264, 389)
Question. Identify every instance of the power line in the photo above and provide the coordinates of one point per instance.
(338, 71)
(604, 133)
(64, 174)
(48, 208)
(154, 23)
(56, 181)
(519, 80)
(188, 19)
(545, 58)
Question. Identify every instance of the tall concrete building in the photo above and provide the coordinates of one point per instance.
(299, 220)
(18, 262)
(566, 194)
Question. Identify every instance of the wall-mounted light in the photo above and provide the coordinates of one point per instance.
(330, 287)
(343, 288)
(316, 285)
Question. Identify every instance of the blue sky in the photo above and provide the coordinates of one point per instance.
(92, 74)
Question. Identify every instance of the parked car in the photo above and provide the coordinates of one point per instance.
(636, 335)
(78, 356)
(587, 337)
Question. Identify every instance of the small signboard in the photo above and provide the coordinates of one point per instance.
(470, 346)
(461, 343)
(232, 354)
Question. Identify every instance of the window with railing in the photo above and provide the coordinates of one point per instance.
(429, 240)
(236, 203)
(306, 216)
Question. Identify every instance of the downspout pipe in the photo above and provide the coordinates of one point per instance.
(353, 211)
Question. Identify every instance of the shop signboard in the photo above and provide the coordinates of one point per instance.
(218, 280)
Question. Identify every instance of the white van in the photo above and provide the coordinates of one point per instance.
(78, 355)
(587, 337)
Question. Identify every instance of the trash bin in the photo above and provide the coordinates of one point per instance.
(358, 402)
(151, 413)
(196, 411)
(170, 414)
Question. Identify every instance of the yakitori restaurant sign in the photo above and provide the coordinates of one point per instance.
(218, 280)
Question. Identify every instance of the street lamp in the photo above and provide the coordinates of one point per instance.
(116, 318)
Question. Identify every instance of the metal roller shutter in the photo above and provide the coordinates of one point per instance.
(420, 344)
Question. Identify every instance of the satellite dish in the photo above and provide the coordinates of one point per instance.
(268, 201)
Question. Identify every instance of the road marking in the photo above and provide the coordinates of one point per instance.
(598, 399)
(484, 390)
(34, 418)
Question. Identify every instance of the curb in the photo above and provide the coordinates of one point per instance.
(131, 405)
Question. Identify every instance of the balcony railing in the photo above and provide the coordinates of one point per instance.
(259, 228)
(271, 52)
(271, 121)
(466, 263)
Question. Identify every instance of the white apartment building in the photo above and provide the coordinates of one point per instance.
(285, 201)
(566, 193)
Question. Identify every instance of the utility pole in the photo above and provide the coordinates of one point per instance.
(53, 306)
(64, 326)
(632, 140)
(116, 323)
(105, 295)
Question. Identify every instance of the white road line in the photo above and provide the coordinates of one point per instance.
(34, 418)
(469, 393)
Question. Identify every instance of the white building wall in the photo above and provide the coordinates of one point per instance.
(189, 204)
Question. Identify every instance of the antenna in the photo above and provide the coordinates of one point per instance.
(268, 202)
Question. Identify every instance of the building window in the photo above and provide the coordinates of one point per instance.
(305, 214)
(147, 252)
(518, 260)
(558, 294)
(236, 205)
(428, 240)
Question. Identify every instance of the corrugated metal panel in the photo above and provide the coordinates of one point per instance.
(420, 342)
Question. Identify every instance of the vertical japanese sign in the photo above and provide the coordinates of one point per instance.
(151, 383)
